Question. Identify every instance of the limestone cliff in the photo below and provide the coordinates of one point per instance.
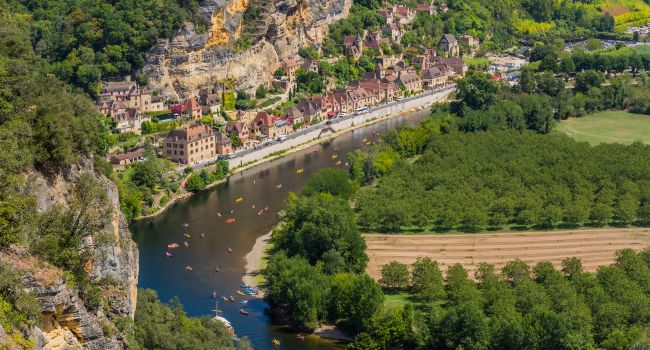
(180, 66)
(66, 322)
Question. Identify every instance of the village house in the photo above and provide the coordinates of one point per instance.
(190, 145)
(265, 126)
(410, 81)
(192, 108)
(399, 14)
(449, 44)
(436, 76)
(125, 102)
(425, 8)
(309, 66)
(392, 31)
(339, 103)
(311, 109)
(289, 68)
(456, 64)
(389, 60)
(128, 157)
(223, 143)
(469, 41)
(373, 40)
(362, 98)
(240, 129)
(353, 45)
(421, 62)
(294, 115)
(443, 8)
(210, 102)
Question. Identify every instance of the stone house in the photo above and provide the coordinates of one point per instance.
(190, 145)
(309, 66)
(449, 44)
(210, 102)
(223, 143)
(353, 46)
(267, 126)
(294, 115)
(410, 81)
(241, 129)
(311, 110)
(470, 42)
(436, 76)
(289, 68)
(192, 108)
(392, 31)
(128, 157)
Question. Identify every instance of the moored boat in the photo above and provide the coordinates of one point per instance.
(243, 312)
(172, 245)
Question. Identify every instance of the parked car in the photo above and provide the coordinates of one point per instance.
(281, 138)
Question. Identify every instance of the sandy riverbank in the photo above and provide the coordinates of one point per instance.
(254, 262)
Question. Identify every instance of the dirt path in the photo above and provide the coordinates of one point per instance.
(595, 247)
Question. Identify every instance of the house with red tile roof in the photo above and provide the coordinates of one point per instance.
(192, 108)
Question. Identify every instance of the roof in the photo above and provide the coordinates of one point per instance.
(191, 133)
(235, 126)
(422, 7)
(263, 118)
(222, 138)
(289, 63)
(191, 104)
(118, 86)
(293, 113)
(138, 153)
(433, 72)
(449, 39)
(408, 78)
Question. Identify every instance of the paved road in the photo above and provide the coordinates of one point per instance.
(301, 132)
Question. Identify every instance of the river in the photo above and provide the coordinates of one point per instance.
(257, 186)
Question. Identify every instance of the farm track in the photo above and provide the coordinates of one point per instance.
(595, 247)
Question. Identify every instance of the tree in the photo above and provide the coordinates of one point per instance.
(567, 65)
(477, 90)
(540, 10)
(394, 276)
(588, 79)
(549, 64)
(333, 181)
(317, 224)
(195, 183)
(426, 279)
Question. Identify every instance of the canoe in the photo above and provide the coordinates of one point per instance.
(241, 293)
(239, 199)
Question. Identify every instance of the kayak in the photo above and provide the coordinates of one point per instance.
(239, 199)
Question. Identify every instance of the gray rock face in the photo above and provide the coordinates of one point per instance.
(67, 323)
(189, 61)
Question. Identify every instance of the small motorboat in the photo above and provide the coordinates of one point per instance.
(231, 298)
(229, 250)
(172, 245)
(188, 268)
(187, 235)
(243, 312)
(217, 269)
(244, 302)
(300, 171)
(238, 200)
(186, 244)
(169, 254)
(240, 293)
(278, 186)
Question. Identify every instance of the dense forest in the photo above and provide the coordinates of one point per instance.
(86, 41)
(500, 179)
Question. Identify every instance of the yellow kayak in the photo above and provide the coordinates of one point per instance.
(300, 171)
(239, 199)
(334, 156)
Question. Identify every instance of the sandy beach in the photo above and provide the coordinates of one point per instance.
(254, 261)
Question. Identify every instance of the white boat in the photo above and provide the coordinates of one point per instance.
(222, 319)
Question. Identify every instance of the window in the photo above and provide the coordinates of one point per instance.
(169, 144)
(169, 151)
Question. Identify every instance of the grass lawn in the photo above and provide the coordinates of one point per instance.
(397, 299)
(608, 127)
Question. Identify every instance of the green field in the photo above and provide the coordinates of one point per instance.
(608, 127)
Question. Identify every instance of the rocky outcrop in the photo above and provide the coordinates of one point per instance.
(180, 66)
(67, 323)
